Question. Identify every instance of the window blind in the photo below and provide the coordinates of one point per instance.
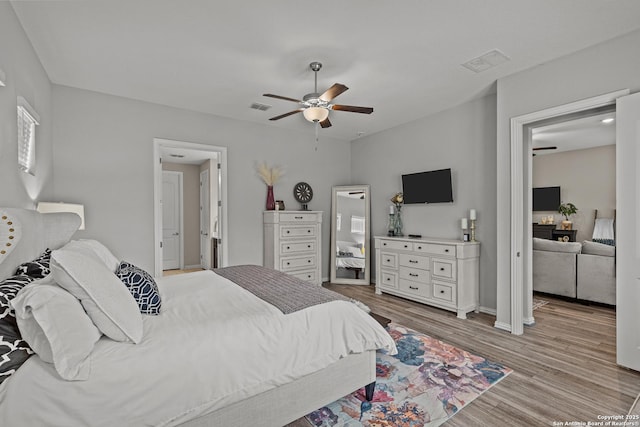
(27, 121)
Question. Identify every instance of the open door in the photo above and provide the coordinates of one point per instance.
(628, 231)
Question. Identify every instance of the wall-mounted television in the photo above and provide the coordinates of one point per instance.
(427, 187)
(546, 198)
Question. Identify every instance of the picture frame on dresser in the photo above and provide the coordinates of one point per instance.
(439, 272)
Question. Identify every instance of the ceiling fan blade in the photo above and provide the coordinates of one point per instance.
(353, 109)
(545, 148)
(281, 97)
(325, 123)
(282, 116)
(333, 91)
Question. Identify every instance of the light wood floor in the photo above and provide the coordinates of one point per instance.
(564, 366)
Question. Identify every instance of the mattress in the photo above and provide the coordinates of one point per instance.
(214, 344)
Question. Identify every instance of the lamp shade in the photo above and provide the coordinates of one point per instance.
(49, 207)
(316, 114)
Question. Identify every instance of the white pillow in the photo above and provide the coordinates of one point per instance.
(53, 323)
(105, 299)
(98, 249)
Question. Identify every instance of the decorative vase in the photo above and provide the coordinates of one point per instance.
(391, 229)
(397, 225)
(271, 201)
(566, 225)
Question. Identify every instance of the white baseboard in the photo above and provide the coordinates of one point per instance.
(503, 326)
(487, 310)
(189, 267)
(529, 321)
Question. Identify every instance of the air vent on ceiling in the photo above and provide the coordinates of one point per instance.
(259, 106)
(486, 61)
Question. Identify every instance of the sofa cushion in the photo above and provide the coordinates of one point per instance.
(555, 246)
(595, 248)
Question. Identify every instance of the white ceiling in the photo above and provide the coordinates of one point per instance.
(577, 134)
(401, 57)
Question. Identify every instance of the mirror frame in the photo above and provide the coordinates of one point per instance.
(366, 280)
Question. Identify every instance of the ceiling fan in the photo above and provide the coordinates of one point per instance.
(315, 106)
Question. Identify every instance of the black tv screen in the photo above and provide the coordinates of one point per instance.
(427, 187)
(546, 198)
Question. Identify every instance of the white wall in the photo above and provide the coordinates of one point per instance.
(26, 78)
(463, 139)
(104, 153)
(587, 178)
(600, 69)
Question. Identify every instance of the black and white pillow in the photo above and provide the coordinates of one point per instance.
(13, 350)
(142, 286)
(38, 268)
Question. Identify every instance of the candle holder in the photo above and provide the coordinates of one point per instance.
(473, 230)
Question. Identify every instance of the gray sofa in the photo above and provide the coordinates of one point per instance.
(585, 271)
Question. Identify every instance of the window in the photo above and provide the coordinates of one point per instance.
(357, 224)
(27, 122)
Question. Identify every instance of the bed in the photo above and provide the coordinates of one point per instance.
(350, 256)
(216, 354)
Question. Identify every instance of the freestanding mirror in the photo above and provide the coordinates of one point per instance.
(350, 252)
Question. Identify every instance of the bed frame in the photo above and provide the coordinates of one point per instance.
(276, 407)
(282, 405)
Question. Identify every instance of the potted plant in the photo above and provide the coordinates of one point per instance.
(567, 209)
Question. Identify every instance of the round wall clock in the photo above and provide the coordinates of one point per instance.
(303, 193)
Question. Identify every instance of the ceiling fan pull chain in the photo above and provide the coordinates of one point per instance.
(317, 134)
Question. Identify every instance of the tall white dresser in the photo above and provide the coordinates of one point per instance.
(292, 243)
(439, 272)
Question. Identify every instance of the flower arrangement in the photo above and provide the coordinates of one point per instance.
(270, 175)
(567, 209)
(398, 199)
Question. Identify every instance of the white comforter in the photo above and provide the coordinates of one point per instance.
(213, 344)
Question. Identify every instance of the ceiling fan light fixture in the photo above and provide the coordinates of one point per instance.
(316, 114)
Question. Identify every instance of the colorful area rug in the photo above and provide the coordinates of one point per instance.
(425, 384)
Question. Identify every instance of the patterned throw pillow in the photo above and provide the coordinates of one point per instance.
(142, 286)
(13, 350)
(38, 268)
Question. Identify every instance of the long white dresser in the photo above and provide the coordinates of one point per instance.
(292, 243)
(439, 272)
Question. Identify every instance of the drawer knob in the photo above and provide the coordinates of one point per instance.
(419, 247)
(308, 231)
(298, 217)
(413, 275)
(388, 279)
(413, 261)
(288, 247)
(309, 260)
(288, 231)
(441, 268)
(414, 288)
(388, 260)
(309, 246)
(406, 246)
(446, 250)
(442, 292)
(384, 244)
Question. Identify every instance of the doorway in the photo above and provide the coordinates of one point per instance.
(204, 205)
(521, 198)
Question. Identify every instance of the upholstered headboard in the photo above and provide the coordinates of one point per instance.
(25, 234)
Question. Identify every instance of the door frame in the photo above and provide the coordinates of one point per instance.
(205, 261)
(180, 176)
(158, 145)
(521, 255)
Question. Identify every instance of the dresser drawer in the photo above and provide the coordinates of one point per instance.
(400, 246)
(389, 279)
(415, 274)
(415, 261)
(287, 264)
(298, 217)
(444, 291)
(420, 289)
(287, 248)
(297, 231)
(309, 276)
(444, 268)
(436, 249)
(389, 260)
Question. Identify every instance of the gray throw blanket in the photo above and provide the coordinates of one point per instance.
(285, 292)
